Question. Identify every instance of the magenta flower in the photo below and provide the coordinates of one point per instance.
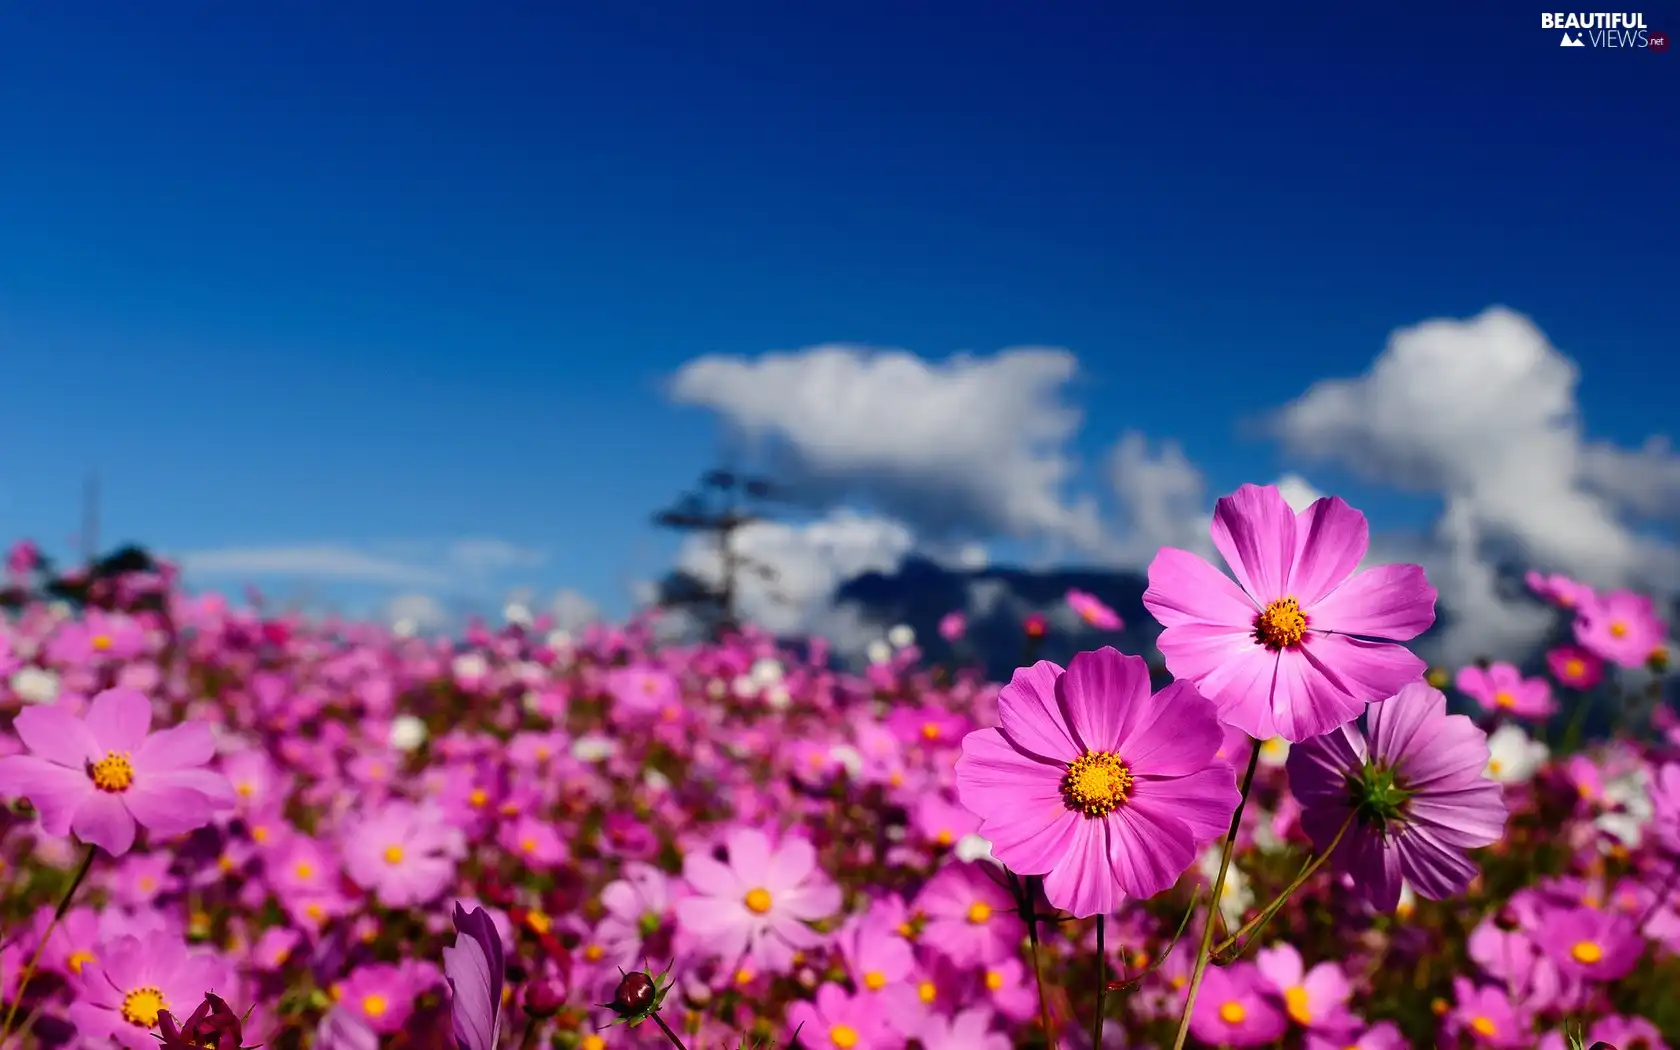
(1622, 627)
(968, 1030)
(1315, 999)
(121, 995)
(1591, 943)
(1558, 589)
(1578, 668)
(1092, 782)
(1092, 610)
(1416, 790)
(953, 625)
(756, 904)
(1502, 688)
(401, 852)
(101, 775)
(839, 1021)
(1233, 1008)
(1283, 651)
(1665, 805)
(474, 968)
(1488, 1017)
(874, 953)
(970, 916)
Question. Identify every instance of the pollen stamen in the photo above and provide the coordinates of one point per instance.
(112, 774)
(1281, 626)
(1096, 783)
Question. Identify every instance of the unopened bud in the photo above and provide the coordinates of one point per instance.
(544, 997)
(635, 994)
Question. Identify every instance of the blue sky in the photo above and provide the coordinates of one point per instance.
(312, 274)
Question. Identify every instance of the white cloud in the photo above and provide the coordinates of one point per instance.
(970, 444)
(315, 561)
(1483, 414)
(488, 557)
(419, 611)
(572, 610)
(810, 561)
(1162, 497)
(1297, 492)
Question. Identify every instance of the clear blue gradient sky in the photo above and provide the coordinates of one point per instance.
(363, 273)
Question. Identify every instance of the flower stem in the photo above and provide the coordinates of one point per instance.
(1102, 983)
(1259, 922)
(675, 1040)
(1029, 897)
(34, 960)
(1577, 723)
(1202, 954)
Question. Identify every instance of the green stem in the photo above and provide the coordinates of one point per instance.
(34, 960)
(1577, 724)
(1102, 984)
(663, 1027)
(1258, 923)
(1203, 953)
(1030, 898)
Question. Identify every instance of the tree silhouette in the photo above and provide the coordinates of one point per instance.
(722, 504)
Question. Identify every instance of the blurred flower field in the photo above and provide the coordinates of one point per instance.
(350, 838)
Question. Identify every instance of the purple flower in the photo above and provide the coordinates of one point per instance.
(402, 852)
(123, 995)
(1283, 651)
(101, 775)
(474, 968)
(1416, 791)
(1233, 1008)
(1591, 943)
(1094, 783)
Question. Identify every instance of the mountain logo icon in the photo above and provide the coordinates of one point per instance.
(1571, 41)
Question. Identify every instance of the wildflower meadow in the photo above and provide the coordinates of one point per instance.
(227, 827)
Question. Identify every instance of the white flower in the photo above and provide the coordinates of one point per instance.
(879, 652)
(972, 847)
(777, 698)
(1408, 901)
(35, 685)
(60, 610)
(766, 671)
(559, 640)
(744, 686)
(405, 628)
(1235, 897)
(593, 747)
(469, 666)
(1513, 756)
(717, 689)
(656, 781)
(1628, 807)
(407, 732)
(901, 637)
(847, 756)
(516, 614)
(1274, 752)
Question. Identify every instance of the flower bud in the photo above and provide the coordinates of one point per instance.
(635, 994)
(544, 997)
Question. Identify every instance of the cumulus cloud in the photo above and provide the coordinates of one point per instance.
(1297, 492)
(1482, 412)
(809, 562)
(1162, 500)
(418, 612)
(967, 445)
(572, 610)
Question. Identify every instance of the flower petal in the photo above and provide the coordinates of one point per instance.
(1148, 849)
(55, 791)
(1205, 800)
(1309, 699)
(102, 820)
(1389, 601)
(1178, 734)
(1364, 670)
(1081, 882)
(58, 736)
(119, 719)
(1030, 715)
(1229, 668)
(186, 746)
(1254, 529)
(1104, 695)
(1331, 538)
(1184, 588)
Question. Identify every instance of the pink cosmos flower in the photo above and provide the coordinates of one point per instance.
(1092, 782)
(1559, 589)
(1501, 687)
(874, 953)
(970, 915)
(97, 639)
(1233, 1008)
(105, 773)
(968, 1030)
(1384, 1035)
(1622, 627)
(121, 995)
(839, 1020)
(1591, 943)
(1092, 610)
(1488, 1017)
(757, 903)
(1416, 790)
(1315, 999)
(1283, 650)
(953, 625)
(1665, 805)
(401, 852)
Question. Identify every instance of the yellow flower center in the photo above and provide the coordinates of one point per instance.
(843, 1035)
(1574, 667)
(393, 854)
(142, 1006)
(1483, 1027)
(1504, 699)
(1295, 1004)
(1281, 626)
(1618, 629)
(979, 912)
(305, 870)
(757, 900)
(874, 980)
(1232, 1012)
(592, 1042)
(539, 921)
(375, 1005)
(994, 980)
(528, 845)
(259, 833)
(114, 773)
(78, 960)
(743, 976)
(478, 797)
(930, 731)
(314, 911)
(1495, 766)
(245, 790)
(594, 952)
(926, 992)
(1096, 783)
(1586, 952)
(101, 642)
